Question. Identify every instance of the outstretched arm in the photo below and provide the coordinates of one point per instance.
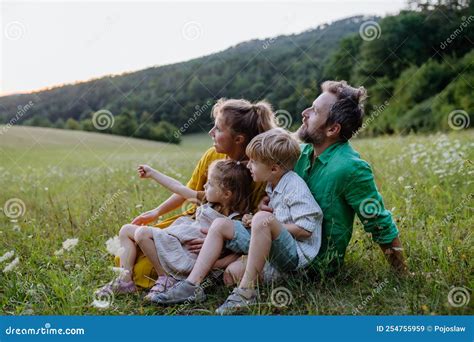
(171, 184)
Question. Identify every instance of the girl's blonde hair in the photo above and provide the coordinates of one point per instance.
(233, 176)
(244, 117)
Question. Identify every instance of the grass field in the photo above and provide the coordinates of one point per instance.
(68, 178)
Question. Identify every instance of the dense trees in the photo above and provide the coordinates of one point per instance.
(419, 67)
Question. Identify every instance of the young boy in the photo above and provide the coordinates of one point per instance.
(289, 238)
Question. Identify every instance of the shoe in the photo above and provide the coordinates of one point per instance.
(117, 286)
(238, 301)
(162, 284)
(182, 292)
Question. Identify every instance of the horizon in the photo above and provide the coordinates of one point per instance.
(190, 34)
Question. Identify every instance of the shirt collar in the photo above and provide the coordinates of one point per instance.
(329, 152)
(281, 184)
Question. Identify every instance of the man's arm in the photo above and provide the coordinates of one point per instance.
(363, 196)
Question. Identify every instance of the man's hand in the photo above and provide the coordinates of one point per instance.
(147, 217)
(247, 220)
(263, 205)
(145, 171)
(394, 253)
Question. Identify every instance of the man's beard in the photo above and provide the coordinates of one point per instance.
(315, 137)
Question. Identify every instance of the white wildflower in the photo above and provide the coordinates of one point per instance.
(70, 244)
(7, 256)
(114, 246)
(11, 265)
(67, 246)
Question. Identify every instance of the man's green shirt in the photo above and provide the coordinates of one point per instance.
(343, 185)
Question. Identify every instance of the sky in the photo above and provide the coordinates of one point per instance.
(45, 44)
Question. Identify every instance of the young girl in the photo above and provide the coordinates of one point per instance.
(227, 193)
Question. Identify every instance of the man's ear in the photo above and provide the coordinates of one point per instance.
(334, 130)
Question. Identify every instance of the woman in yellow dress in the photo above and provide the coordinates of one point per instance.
(236, 122)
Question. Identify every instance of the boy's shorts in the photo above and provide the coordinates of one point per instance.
(283, 252)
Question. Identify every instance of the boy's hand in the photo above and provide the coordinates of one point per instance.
(247, 220)
(263, 205)
(145, 171)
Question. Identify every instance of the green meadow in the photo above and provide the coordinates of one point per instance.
(58, 185)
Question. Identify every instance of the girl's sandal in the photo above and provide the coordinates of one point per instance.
(161, 285)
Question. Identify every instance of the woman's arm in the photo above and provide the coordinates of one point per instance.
(171, 184)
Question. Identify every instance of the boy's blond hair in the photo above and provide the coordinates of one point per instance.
(275, 146)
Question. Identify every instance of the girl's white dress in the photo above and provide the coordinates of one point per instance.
(175, 259)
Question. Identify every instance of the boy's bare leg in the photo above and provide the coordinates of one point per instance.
(265, 229)
(144, 238)
(221, 230)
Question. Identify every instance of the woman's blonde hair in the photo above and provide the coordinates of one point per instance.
(244, 117)
(276, 146)
(233, 176)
